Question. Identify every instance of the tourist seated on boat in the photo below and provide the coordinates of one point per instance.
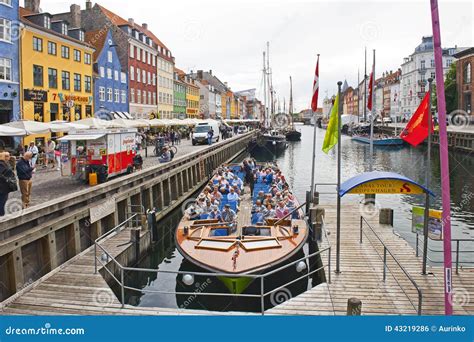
(258, 207)
(282, 210)
(215, 194)
(237, 182)
(228, 215)
(261, 196)
(208, 207)
(268, 200)
(269, 212)
(268, 177)
(165, 156)
(192, 213)
(215, 214)
(278, 197)
(258, 218)
(233, 196)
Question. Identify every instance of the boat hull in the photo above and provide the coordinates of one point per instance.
(293, 136)
(380, 142)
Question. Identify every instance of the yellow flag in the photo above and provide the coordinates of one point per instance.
(332, 132)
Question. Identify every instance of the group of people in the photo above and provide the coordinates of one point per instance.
(224, 188)
(224, 191)
(9, 182)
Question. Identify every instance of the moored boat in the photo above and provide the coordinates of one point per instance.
(249, 244)
(387, 141)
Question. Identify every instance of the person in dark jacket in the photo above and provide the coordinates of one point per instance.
(5, 172)
(24, 172)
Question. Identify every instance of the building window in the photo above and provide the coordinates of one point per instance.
(139, 74)
(123, 95)
(109, 95)
(116, 75)
(139, 96)
(110, 56)
(66, 80)
(149, 77)
(154, 79)
(77, 82)
(132, 95)
(5, 69)
(52, 48)
(37, 76)
(101, 94)
(53, 78)
(139, 53)
(154, 98)
(109, 73)
(149, 97)
(467, 73)
(144, 76)
(6, 2)
(117, 95)
(87, 58)
(81, 36)
(132, 51)
(77, 55)
(64, 29)
(37, 44)
(65, 52)
(88, 111)
(123, 77)
(5, 30)
(449, 62)
(88, 84)
(102, 71)
(422, 65)
(47, 22)
(78, 111)
(132, 73)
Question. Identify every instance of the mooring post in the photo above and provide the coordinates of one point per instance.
(354, 307)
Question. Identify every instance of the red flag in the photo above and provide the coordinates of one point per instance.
(371, 87)
(314, 101)
(417, 129)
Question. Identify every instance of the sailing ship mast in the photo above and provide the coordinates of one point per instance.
(265, 101)
(290, 105)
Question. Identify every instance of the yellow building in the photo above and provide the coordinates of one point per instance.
(224, 101)
(192, 99)
(56, 72)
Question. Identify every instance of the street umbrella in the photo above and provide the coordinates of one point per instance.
(129, 123)
(30, 127)
(95, 123)
(7, 131)
(66, 126)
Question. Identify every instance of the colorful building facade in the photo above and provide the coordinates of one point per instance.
(110, 82)
(57, 72)
(179, 97)
(9, 64)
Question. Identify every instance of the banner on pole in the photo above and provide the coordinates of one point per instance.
(435, 226)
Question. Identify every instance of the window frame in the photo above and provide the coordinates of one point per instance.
(38, 67)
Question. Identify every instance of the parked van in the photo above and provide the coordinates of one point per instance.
(200, 132)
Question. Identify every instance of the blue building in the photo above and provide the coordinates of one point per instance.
(110, 82)
(10, 32)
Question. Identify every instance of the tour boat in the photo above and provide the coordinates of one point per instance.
(238, 250)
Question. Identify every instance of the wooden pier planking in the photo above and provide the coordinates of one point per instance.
(361, 275)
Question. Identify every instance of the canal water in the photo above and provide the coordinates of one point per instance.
(296, 165)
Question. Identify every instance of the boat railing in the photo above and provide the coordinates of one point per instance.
(112, 266)
(365, 230)
(459, 249)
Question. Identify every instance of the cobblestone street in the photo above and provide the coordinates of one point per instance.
(48, 184)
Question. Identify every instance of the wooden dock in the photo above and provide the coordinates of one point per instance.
(361, 275)
(74, 289)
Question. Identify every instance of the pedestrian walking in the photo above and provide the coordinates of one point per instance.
(24, 171)
(7, 181)
(34, 152)
(210, 135)
(50, 157)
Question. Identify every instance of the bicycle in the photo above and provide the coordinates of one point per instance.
(160, 145)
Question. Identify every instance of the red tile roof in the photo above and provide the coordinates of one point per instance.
(97, 40)
(119, 21)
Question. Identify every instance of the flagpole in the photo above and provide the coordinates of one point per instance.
(372, 117)
(338, 224)
(444, 159)
(427, 181)
(365, 86)
(313, 168)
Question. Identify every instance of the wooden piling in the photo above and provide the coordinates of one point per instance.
(354, 307)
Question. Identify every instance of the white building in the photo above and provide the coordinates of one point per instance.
(416, 70)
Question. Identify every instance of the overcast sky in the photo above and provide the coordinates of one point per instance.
(229, 36)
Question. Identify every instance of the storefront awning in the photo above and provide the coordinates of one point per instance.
(119, 115)
(127, 116)
(78, 137)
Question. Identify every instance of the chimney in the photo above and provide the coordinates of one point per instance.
(33, 5)
(75, 16)
(145, 26)
(88, 4)
(131, 21)
(199, 74)
(210, 72)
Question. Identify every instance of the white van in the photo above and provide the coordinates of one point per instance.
(200, 132)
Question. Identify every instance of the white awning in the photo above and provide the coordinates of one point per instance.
(119, 115)
(77, 137)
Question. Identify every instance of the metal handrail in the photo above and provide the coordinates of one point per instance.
(386, 251)
(262, 277)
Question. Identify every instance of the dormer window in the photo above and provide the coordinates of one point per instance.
(64, 29)
(81, 36)
(47, 22)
